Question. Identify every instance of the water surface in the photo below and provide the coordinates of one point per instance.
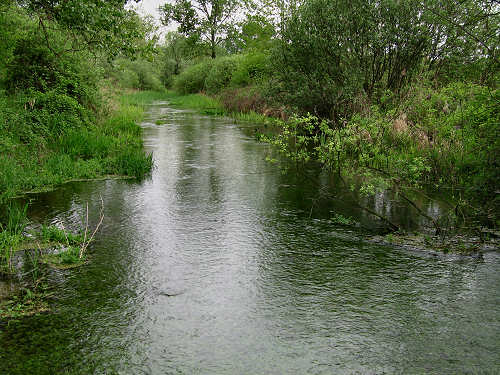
(219, 263)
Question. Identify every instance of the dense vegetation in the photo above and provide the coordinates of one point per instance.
(55, 122)
(403, 93)
(62, 115)
(393, 94)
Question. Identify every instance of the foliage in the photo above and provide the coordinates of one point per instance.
(67, 256)
(443, 137)
(208, 20)
(136, 74)
(335, 55)
(111, 146)
(251, 68)
(199, 102)
(213, 76)
(254, 34)
(220, 74)
(52, 233)
(12, 226)
(96, 25)
(342, 220)
(192, 80)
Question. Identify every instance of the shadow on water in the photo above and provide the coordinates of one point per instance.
(216, 265)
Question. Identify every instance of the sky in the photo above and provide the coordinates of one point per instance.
(151, 7)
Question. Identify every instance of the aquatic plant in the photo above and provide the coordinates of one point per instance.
(11, 233)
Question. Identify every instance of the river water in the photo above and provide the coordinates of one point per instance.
(220, 263)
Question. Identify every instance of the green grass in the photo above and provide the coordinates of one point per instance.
(51, 233)
(11, 233)
(31, 160)
(250, 117)
(142, 98)
(68, 257)
(199, 102)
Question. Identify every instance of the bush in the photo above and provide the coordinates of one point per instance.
(168, 72)
(221, 73)
(33, 67)
(192, 80)
(251, 68)
(137, 74)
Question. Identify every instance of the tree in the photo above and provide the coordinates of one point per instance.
(92, 25)
(208, 20)
(255, 33)
(333, 53)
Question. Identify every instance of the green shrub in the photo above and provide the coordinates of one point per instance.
(192, 80)
(251, 68)
(34, 67)
(138, 74)
(168, 72)
(127, 78)
(220, 74)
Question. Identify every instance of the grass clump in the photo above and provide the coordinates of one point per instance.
(51, 233)
(11, 233)
(65, 258)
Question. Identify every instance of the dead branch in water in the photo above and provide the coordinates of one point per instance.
(86, 242)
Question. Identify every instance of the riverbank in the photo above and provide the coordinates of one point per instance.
(461, 230)
(110, 144)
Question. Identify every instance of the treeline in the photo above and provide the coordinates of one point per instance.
(403, 92)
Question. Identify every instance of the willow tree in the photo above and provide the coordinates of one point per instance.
(208, 20)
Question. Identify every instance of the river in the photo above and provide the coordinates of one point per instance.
(221, 263)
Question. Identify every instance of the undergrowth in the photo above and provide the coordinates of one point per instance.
(34, 156)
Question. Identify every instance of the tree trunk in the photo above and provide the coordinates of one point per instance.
(212, 43)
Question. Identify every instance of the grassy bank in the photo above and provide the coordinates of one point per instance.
(38, 159)
(39, 155)
(201, 103)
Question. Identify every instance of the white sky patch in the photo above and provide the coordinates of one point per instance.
(150, 8)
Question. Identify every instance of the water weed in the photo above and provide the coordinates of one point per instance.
(11, 233)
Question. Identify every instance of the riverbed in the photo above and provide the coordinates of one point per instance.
(221, 262)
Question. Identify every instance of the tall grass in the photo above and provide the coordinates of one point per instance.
(141, 98)
(197, 102)
(111, 145)
(11, 232)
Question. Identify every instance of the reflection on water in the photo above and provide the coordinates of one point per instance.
(216, 265)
